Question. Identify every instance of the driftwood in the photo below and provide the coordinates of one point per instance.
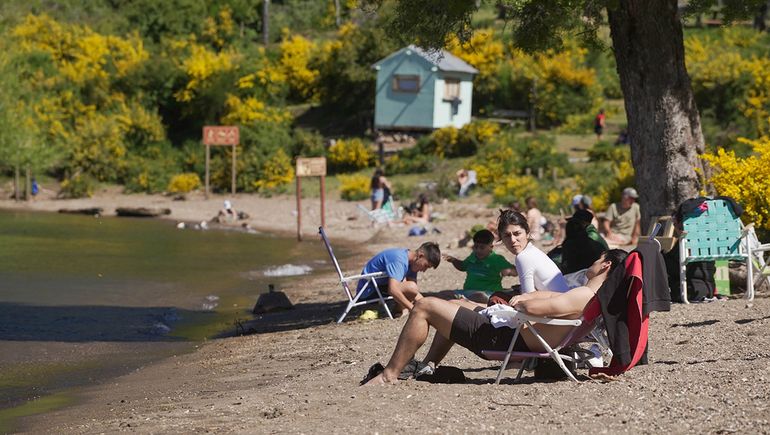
(141, 211)
(93, 211)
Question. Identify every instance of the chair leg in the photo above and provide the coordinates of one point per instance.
(749, 277)
(521, 369)
(347, 310)
(507, 356)
(554, 354)
(683, 281)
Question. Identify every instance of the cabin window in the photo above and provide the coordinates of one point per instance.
(451, 89)
(404, 83)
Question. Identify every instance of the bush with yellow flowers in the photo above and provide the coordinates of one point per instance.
(557, 83)
(276, 171)
(184, 183)
(747, 180)
(354, 187)
(730, 72)
(462, 142)
(349, 154)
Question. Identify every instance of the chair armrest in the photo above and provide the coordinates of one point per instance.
(365, 275)
(523, 317)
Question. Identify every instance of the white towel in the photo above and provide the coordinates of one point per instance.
(502, 315)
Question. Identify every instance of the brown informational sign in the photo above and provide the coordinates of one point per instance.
(220, 135)
(311, 166)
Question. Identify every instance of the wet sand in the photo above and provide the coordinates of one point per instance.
(299, 374)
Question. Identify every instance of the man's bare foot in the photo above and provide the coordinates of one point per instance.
(379, 380)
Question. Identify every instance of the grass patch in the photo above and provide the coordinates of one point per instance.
(9, 416)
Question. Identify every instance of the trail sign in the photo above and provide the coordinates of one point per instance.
(311, 166)
(220, 135)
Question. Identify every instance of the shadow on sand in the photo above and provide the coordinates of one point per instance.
(78, 323)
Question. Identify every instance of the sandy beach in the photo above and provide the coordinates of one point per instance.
(299, 371)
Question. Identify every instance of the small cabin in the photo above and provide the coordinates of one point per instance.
(422, 90)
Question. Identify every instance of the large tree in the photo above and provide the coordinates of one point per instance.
(648, 45)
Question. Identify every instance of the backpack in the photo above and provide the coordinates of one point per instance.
(699, 276)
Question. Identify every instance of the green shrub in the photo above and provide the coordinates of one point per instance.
(354, 187)
(606, 152)
(77, 186)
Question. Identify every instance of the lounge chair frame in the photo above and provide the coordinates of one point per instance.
(353, 297)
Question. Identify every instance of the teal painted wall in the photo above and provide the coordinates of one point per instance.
(401, 109)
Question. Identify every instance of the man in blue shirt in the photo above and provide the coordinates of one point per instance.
(401, 267)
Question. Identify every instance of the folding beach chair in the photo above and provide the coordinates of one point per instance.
(589, 327)
(756, 251)
(581, 328)
(384, 214)
(354, 297)
(713, 232)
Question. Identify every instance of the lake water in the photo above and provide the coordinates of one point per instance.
(83, 299)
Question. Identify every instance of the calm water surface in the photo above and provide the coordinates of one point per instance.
(83, 299)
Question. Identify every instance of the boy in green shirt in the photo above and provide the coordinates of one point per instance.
(485, 269)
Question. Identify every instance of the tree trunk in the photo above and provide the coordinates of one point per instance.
(663, 121)
(27, 185)
(759, 18)
(337, 14)
(266, 22)
(16, 187)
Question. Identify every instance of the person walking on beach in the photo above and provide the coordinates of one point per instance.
(401, 267)
(599, 124)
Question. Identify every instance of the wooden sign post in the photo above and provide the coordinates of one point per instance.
(220, 135)
(310, 167)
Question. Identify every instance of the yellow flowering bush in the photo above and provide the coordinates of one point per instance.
(200, 66)
(184, 183)
(349, 154)
(453, 142)
(610, 190)
(730, 75)
(296, 52)
(514, 186)
(276, 171)
(564, 86)
(249, 110)
(220, 29)
(747, 180)
(485, 53)
(354, 187)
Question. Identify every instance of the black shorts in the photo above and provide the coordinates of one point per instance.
(475, 332)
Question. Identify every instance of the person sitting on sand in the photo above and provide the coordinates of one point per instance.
(485, 269)
(227, 213)
(621, 224)
(419, 212)
(401, 267)
(474, 331)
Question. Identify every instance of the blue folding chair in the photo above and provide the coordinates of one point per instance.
(714, 233)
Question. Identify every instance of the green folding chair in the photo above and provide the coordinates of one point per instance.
(713, 234)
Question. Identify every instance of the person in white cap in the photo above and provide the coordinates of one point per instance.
(227, 213)
(621, 224)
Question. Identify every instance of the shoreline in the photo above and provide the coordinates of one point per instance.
(299, 373)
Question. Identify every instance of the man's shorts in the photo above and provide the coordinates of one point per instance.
(475, 332)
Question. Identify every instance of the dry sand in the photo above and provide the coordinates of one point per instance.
(708, 372)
